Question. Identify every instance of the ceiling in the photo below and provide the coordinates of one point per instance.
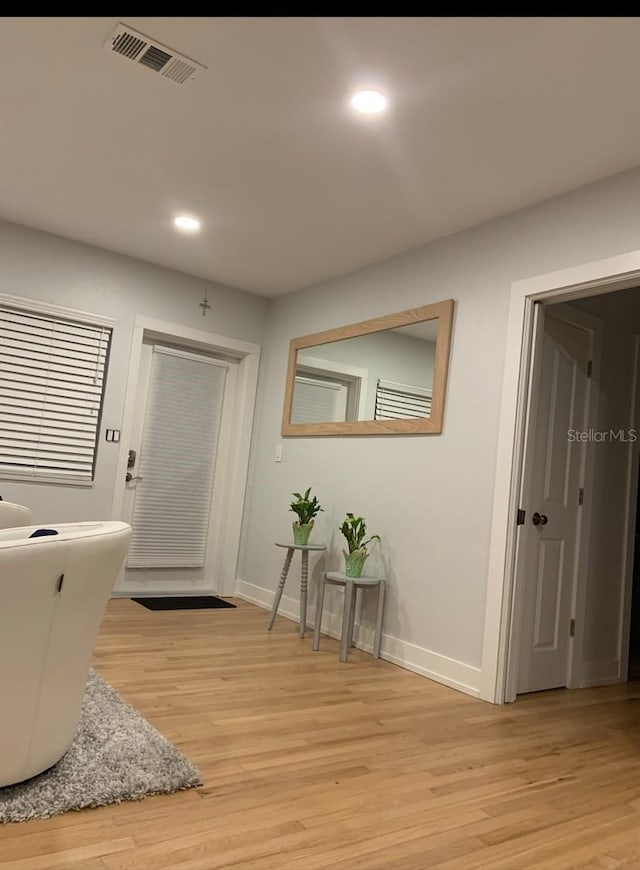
(487, 115)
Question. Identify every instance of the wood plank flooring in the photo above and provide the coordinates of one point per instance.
(309, 763)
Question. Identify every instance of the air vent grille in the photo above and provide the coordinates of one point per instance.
(135, 47)
(128, 45)
(155, 58)
(179, 70)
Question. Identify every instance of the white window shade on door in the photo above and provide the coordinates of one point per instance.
(316, 400)
(177, 461)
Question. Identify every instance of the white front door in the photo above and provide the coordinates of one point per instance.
(553, 508)
(169, 498)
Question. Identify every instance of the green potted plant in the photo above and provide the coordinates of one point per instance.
(354, 530)
(306, 508)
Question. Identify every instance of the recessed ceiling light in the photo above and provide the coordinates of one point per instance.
(186, 223)
(369, 102)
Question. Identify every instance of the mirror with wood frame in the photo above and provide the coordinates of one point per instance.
(382, 376)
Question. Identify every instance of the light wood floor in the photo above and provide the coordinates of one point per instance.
(309, 763)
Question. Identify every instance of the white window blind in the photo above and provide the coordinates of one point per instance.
(401, 401)
(177, 461)
(318, 401)
(52, 378)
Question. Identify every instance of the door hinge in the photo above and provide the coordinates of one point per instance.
(581, 495)
(572, 628)
(520, 515)
(589, 368)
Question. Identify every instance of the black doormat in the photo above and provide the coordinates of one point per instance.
(190, 602)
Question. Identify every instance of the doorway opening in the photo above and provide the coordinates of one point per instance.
(184, 459)
(568, 457)
(579, 495)
(633, 672)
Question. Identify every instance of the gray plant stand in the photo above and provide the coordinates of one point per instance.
(351, 586)
(304, 578)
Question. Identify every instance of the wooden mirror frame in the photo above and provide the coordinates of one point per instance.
(431, 425)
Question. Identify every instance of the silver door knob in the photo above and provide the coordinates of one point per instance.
(539, 519)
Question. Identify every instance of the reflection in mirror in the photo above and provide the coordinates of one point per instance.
(386, 375)
(382, 376)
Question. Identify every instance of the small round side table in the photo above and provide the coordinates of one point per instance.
(351, 587)
(305, 549)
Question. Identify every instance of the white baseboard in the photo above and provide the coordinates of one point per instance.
(601, 673)
(264, 598)
(145, 592)
(457, 675)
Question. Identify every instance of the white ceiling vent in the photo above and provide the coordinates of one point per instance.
(138, 48)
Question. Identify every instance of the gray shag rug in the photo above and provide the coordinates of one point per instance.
(115, 756)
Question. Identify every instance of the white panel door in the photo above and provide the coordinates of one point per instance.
(553, 506)
(169, 498)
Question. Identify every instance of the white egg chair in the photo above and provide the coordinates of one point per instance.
(54, 588)
(12, 515)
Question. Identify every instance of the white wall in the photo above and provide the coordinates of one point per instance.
(620, 314)
(45, 267)
(430, 497)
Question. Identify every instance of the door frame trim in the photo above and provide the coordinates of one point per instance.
(577, 282)
(237, 469)
(631, 491)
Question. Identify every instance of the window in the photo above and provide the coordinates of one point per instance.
(401, 401)
(52, 379)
